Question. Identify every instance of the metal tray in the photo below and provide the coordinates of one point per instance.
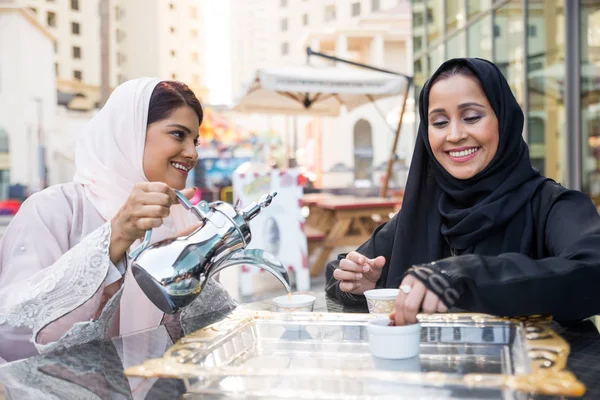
(267, 355)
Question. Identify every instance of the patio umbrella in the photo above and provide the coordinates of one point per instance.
(322, 91)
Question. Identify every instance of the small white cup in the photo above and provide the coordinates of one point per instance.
(297, 302)
(393, 342)
(381, 300)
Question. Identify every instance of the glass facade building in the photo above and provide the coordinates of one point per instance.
(549, 51)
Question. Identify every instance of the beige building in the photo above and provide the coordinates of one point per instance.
(146, 38)
(374, 32)
(27, 97)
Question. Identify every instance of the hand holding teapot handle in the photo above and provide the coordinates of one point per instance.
(145, 208)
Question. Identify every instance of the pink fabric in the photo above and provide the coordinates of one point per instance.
(109, 156)
(48, 224)
(108, 162)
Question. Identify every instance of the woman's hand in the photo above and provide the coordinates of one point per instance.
(147, 205)
(419, 298)
(358, 273)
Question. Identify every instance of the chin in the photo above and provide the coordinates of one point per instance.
(177, 184)
(462, 175)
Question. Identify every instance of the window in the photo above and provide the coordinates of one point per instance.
(455, 15)
(173, 76)
(4, 147)
(120, 79)
(285, 48)
(531, 30)
(75, 5)
(55, 47)
(121, 58)
(497, 31)
(193, 12)
(588, 80)
(171, 6)
(304, 19)
(194, 33)
(76, 52)
(375, 5)
(77, 75)
(284, 24)
(195, 56)
(479, 39)
(75, 28)
(120, 35)
(119, 13)
(475, 7)
(283, 3)
(330, 13)
(33, 10)
(457, 45)
(56, 70)
(51, 19)
(172, 29)
(355, 9)
(172, 53)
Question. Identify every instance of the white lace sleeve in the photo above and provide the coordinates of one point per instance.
(60, 288)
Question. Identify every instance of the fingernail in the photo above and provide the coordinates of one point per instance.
(366, 268)
(358, 276)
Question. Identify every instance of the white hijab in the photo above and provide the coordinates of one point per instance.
(108, 163)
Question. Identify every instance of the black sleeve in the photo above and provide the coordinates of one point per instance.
(379, 244)
(566, 284)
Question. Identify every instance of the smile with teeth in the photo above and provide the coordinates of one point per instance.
(180, 167)
(463, 153)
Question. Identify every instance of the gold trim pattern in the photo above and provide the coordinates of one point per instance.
(546, 350)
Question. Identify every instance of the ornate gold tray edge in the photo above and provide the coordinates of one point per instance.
(546, 350)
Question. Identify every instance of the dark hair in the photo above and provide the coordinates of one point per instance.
(457, 68)
(169, 95)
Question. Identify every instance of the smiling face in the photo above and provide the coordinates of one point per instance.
(462, 126)
(170, 149)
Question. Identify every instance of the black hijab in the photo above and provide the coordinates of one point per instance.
(486, 214)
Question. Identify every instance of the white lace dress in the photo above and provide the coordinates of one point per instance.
(54, 266)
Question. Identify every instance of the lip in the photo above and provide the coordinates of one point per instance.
(187, 165)
(463, 159)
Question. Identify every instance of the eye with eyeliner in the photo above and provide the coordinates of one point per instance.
(471, 118)
(180, 135)
(439, 123)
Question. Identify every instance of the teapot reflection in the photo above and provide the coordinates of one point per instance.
(173, 272)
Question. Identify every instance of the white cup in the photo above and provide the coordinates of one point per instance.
(297, 302)
(393, 342)
(381, 300)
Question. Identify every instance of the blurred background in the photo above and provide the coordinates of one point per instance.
(60, 59)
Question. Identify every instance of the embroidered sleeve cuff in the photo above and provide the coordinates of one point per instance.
(438, 281)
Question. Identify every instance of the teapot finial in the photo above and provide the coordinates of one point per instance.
(253, 209)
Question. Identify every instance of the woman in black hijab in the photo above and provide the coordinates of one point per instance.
(480, 230)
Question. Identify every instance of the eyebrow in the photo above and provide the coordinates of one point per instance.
(185, 128)
(460, 107)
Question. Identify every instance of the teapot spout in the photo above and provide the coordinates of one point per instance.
(258, 258)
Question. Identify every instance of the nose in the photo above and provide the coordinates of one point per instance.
(190, 151)
(456, 132)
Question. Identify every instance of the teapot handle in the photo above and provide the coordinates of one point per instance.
(200, 211)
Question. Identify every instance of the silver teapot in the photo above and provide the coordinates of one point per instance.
(173, 272)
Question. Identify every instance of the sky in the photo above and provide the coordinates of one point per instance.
(217, 31)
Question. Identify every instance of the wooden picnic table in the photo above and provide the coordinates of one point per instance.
(346, 221)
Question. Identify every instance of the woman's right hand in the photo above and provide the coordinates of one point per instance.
(147, 205)
(358, 273)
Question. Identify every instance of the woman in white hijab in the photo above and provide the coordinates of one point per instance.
(63, 259)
